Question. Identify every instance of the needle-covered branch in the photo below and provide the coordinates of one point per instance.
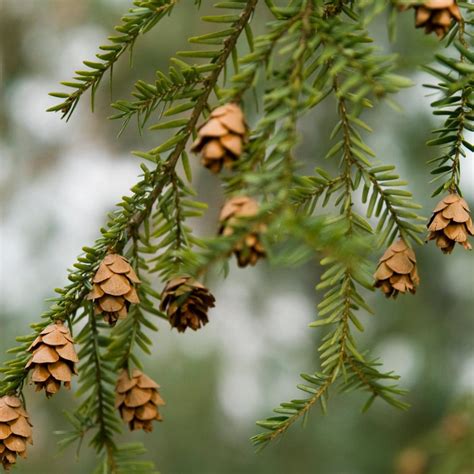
(139, 20)
(311, 51)
(456, 104)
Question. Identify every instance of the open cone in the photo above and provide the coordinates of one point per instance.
(15, 430)
(137, 399)
(221, 139)
(249, 249)
(53, 360)
(437, 16)
(396, 271)
(451, 222)
(113, 288)
(186, 303)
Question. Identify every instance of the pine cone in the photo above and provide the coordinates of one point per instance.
(137, 399)
(186, 303)
(396, 271)
(113, 289)
(15, 430)
(437, 15)
(250, 248)
(450, 223)
(53, 359)
(222, 137)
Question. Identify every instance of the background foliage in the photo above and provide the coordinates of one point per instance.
(81, 169)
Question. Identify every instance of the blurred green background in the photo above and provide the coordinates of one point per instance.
(58, 180)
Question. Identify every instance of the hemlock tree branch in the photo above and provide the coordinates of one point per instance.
(338, 352)
(137, 208)
(310, 51)
(138, 21)
(456, 103)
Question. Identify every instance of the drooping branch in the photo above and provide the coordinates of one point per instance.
(457, 104)
(139, 20)
(125, 223)
(312, 50)
(338, 352)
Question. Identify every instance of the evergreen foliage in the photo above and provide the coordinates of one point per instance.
(456, 104)
(311, 51)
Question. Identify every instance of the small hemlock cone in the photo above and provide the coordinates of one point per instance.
(186, 303)
(250, 248)
(113, 289)
(137, 400)
(437, 15)
(15, 430)
(450, 223)
(222, 137)
(53, 359)
(396, 271)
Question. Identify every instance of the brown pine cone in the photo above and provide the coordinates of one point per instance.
(15, 430)
(450, 223)
(137, 400)
(222, 137)
(250, 248)
(437, 15)
(396, 271)
(53, 359)
(186, 303)
(113, 289)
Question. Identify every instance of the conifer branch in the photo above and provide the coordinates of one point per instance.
(102, 410)
(166, 90)
(311, 50)
(138, 21)
(200, 106)
(338, 353)
(124, 224)
(282, 104)
(457, 104)
(308, 190)
(258, 57)
(128, 335)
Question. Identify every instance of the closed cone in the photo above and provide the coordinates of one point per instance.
(222, 137)
(53, 360)
(437, 16)
(249, 249)
(15, 430)
(137, 400)
(396, 271)
(113, 288)
(451, 222)
(186, 303)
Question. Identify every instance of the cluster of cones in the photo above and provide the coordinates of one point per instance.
(450, 223)
(435, 15)
(221, 140)
(15, 430)
(52, 363)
